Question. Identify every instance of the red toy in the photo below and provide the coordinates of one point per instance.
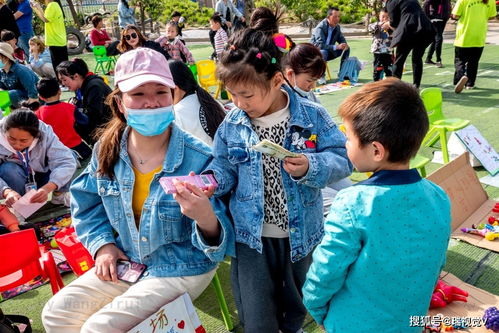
(445, 294)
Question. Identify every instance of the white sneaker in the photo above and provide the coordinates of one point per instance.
(321, 81)
(61, 198)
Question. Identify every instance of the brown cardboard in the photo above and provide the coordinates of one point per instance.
(469, 201)
(478, 301)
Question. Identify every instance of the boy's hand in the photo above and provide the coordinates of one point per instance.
(195, 204)
(296, 166)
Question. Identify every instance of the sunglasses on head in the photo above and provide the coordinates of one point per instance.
(132, 35)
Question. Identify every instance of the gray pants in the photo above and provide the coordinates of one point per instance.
(267, 287)
(45, 70)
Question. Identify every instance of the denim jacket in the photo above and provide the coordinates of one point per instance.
(21, 78)
(167, 241)
(239, 171)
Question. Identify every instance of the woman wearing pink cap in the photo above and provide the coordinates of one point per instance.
(120, 211)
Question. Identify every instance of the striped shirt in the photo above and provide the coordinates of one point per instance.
(220, 41)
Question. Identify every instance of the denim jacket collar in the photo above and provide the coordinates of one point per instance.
(298, 118)
(174, 155)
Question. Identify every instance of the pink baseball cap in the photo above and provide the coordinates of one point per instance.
(139, 66)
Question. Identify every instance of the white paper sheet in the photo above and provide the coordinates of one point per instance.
(26, 208)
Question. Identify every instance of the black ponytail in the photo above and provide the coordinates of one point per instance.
(211, 113)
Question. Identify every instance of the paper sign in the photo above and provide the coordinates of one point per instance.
(178, 316)
(26, 208)
(480, 148)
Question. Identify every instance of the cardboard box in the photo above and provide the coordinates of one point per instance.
(478, 301)
(469, 201)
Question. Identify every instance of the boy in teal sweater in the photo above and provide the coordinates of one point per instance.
(385, 238)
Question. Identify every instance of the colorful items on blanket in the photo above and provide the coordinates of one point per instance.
(445, 294)
(335, 87)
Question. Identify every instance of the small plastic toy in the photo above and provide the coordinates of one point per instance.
(487, 231)
(445, 294)
(491, 319)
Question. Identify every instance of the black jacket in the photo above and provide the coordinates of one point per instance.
(437, 9)
(8, 21)
(94, 92)
(156, 47)
(410, 22)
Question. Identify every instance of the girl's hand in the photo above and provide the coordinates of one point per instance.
(195, 204)
(40, 196)
(296, 166)
(105, 262)
(11, 197)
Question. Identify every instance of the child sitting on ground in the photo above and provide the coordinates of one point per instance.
(60, 116)
(220, 39)
(39, 58)
(380, 47)
(10, 37)
(173, 44)
(385, 238)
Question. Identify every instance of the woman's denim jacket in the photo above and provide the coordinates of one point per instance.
(168, 242)
(238, 170)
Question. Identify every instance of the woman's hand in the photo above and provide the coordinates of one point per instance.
(296, 166)
(195, 204)
(11, 197)
(105, 262)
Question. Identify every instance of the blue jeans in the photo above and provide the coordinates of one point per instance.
(23, 41)
(15, 176)
(16, 96)
(335, 54)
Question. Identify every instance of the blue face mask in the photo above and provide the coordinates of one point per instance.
(2, 65)
(150, 122)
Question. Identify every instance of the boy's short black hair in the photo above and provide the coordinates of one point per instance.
(176, 14)
(391, 112)
(47, 87)
(384, 10)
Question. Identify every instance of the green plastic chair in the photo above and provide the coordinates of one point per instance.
(439, 125)
(5, 102)
(194, 71)
(419, 162)
(102, 59)
(223, 304)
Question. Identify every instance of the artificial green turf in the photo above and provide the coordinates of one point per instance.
(480, 105)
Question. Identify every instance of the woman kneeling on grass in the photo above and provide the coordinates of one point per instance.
(121, 212)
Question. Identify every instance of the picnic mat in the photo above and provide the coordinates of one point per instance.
(48, 229)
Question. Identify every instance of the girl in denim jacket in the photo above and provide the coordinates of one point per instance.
(276, 205)
(121, 212)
